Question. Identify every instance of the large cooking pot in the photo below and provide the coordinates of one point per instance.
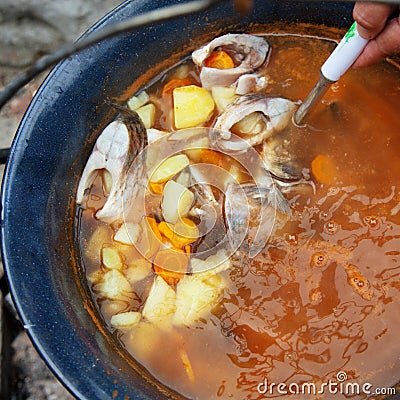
(47, 158)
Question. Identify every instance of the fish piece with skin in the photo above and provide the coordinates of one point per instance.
(280, 162)
(250, 83)
(250, 214)
(115, 149)
(249, 52)
(275, 114)
(109, 153)
(154, 134)
(250, 209)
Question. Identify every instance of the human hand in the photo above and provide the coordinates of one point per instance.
(380, 23)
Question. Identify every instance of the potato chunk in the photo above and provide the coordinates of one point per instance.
(100, 236)
(115, 286)
(138, 101)
(128, 233)
(95, 277)
(193, 105)
(160, 303)
(212, 265)
(195, 297)
(143, 340)
(176, 202)
(169, 167)
(138, 270)
(125, 320)
(111, 258)
(146, 114)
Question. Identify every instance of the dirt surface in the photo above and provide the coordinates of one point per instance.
(30, 29)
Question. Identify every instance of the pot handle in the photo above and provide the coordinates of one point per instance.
(4, 153)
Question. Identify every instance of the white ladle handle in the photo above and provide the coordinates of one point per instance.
(344, 55)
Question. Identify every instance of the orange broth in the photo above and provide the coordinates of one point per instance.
(323, 296)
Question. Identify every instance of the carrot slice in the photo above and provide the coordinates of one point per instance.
(156, 187)
(207, 156)
(187, 365)
(324, 169)
(219, 59)
(171, 264)
(183, 233)
(175, 83)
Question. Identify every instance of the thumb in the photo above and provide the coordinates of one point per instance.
(371, 18)
(384, 45)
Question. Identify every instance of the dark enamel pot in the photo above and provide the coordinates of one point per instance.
(47, 158)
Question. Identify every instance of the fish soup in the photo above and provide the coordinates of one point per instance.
(241, 251)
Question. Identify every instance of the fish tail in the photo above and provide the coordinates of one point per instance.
(268, 196)
(276, 199)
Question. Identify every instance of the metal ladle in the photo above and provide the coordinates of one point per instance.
(341, 59)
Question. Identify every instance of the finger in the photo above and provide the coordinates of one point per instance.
(385, 44)
(371, 18)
